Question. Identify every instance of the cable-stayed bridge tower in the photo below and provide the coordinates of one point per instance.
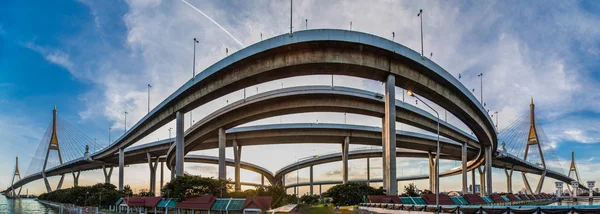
(16, 173)
(573, 169)
(53, 146)
(534, 140)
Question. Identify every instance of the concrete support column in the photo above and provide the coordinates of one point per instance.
(311, 180)
(473, 183)
(383, 155)
(464, 168)
(162, 174)
(222, 166)
(431, 171)
(237, 155)
(107, 174)
(179, 146)
(121, 168)
(345, 146)
(508, 180)
(60, 182)
(152, 166)
(262, 180)
(389, 168)
(369, 171)
(488, 169)
(482, 188)
(76, 178)
(320, 190)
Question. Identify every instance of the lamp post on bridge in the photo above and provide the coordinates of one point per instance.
(149, 86)
(125, 122)
(193, 76)
(437, 154)
(481, 88)
(109, 130)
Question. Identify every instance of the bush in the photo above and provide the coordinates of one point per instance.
(192, 185)
(97, 195)
(144, 193)
(351, 193)
(309, 199)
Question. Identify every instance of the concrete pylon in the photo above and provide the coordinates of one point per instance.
(482, 189)
(237, 155)
(121, 168)
(533, 140)
(310, 179)
(76, 177)
(16, 174)
(431, 162)
(222, 144)
(390, 182)
(345, 150)
(52, 145)
(179, 150)
(508, 179)
(464, 168)
(153, 165)
(107, 174)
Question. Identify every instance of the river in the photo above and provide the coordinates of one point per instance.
(22, 205)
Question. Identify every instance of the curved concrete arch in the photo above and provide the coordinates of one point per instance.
(312, 52)
(307, 99)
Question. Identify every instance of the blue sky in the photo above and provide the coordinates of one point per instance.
(94, 61)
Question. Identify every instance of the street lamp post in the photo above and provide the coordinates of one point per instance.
(149, 86)
(109, 130)
(421, 15)
(125, 121)
(193, 75)
(481, 89)
(437, 154)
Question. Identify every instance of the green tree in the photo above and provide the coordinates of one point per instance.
(309, 199)
(191, 185)
(351, 193)
(97, 195)
(144, 193)
(411, 190)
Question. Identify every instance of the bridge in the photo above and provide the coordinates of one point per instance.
(311, 52)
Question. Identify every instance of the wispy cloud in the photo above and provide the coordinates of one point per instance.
(57, 57)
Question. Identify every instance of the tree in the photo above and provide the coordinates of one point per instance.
(309, 199)
(351, 193)
(127, 192)
(411, 190)
(426, 191)
(192, 185)
(97, 195)
(144, 193)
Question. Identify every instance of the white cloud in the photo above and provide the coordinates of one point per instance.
(580, 136)
(57, 57)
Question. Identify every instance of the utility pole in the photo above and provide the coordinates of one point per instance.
(109, 129)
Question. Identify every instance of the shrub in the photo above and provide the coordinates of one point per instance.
(97, 195)
(309, 199)
(351, 193)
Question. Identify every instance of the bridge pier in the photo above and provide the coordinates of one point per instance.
(482, 188)
(464, 168)
(152, 166)
(222, 144)
(368, 172)
(488, 169)
(237, 155)
(76, 177)
(162, 174)
(345, 150)
(508, 179)
(121, 168)
(311, 180)
(262, 180)
(179, 150)
(431, 172)
(389, 137)
(473, 183)
(107, 174)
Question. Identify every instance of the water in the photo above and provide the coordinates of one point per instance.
(578, 203)
(23, 205)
